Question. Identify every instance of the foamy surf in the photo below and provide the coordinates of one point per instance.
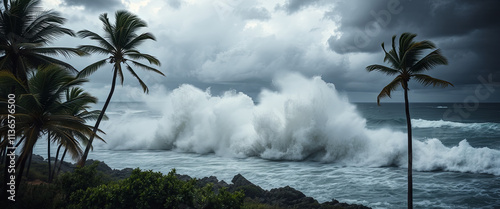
(421, 123)
(304, 119)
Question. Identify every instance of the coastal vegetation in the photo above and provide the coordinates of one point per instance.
(406, 63)
(98, 186)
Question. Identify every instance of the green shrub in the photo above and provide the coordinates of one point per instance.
(148, 189)
(81, 179)
(207, 198)
(254, 204)
(42, 196)
(87, 188)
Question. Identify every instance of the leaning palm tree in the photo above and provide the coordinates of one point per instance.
(120, 44)
(25, 32)
(40, 110)
(406, 62)
(80, 109)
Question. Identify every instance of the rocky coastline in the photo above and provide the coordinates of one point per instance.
(284, 197)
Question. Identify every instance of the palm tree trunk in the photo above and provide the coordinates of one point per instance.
(81, 163)
(3, 151)
(48, 154)
(62, 160)
(55, 162)
(29, 164)
(408, 124)
(29, 144)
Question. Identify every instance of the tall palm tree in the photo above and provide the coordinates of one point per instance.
(40, 110)
(25, 32)
(120, 43)
(406, 62)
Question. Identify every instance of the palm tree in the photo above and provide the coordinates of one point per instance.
(40, 110)
(25, 31)
(79, 109)
(406, 64)
(120, 43)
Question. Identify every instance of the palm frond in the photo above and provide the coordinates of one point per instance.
(42, 60)
(94, 49)
(66, 52)
(405, 41)
(108, 28)
(426, 63)
(94, 36)
(138, 40)
(145, 67)
(91, 68)
(415, 50)
(428, 80)
(8, 80)
(387, 90)
(391, 56)
(140, 56)
(144, 87)
(383, 69)
(119, 72)
(126, 25)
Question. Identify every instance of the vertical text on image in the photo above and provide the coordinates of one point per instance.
(11, 149)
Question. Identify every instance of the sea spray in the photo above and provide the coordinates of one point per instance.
(304, 119)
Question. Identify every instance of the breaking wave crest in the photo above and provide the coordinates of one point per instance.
(421, 123)
(306, 118)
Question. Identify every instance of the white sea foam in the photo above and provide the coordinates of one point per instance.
(306, 118)
(421, 123)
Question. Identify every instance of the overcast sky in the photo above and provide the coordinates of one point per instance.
(244, 45)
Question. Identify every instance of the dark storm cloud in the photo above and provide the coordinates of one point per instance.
(244, 45)
(292, 6)
(365, 24)
(465, 31)
(94, 5)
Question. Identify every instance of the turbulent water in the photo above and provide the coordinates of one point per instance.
(307, 135)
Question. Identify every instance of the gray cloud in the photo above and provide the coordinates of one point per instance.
(244, 45)
(255, 13)
(95, 5)
(175, 3)
(465, 31)
(366, 24)
(292, 6)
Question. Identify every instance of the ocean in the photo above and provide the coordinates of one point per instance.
(307, 135)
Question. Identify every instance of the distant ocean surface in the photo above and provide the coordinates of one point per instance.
(307, 135)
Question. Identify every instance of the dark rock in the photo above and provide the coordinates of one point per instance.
(290, 197)
(251, 190)
(207, 180)
(183, 177)
(239, 181)
(103, 167)
(336, 204)
(36, 159)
